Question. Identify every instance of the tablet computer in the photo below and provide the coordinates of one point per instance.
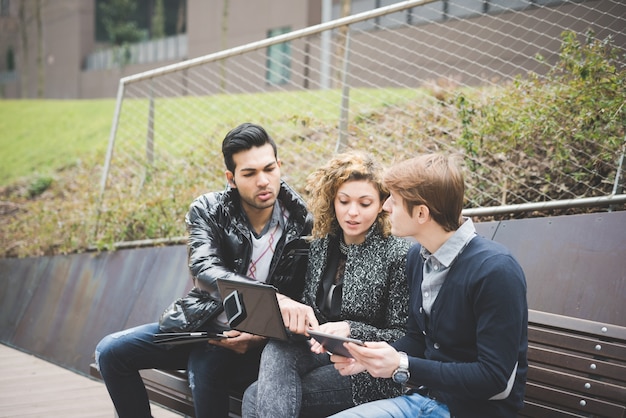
(252, 307)
(334, 343)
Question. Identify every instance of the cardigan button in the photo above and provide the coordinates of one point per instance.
(436, 345)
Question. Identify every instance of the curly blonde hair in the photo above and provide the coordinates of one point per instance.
(323, 183)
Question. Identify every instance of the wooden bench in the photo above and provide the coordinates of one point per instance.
(577, 368)
(170, 389)
(575, 268)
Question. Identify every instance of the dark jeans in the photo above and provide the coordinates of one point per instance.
(213, 371)
(294, 382)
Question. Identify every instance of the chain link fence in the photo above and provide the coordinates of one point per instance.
(486, 79)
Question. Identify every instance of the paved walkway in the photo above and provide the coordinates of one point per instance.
(31, 387)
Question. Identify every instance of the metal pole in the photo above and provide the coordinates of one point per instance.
(617, 184)
(555, 204)
(150, 132)
(325, 46)
(345, 99)
(107, 162)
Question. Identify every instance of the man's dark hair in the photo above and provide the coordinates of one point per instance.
(244, 137)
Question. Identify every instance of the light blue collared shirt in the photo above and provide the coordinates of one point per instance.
(437, 265)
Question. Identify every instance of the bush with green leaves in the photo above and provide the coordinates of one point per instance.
(38, 186)
(566, 127)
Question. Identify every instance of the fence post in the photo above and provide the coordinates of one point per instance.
(109, 155)
(618, 186)
(150, 136)
(345, 98)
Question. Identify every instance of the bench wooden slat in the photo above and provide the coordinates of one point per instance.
(579, 343)
(572, 402)
(164, 396)
(174, 380)
(577, 368)
(579, 385)
(535, 410)
(577, 325)
(585, 365)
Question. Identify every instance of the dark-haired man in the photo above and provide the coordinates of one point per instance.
(253, 230)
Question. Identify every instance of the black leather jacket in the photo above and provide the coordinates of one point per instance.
(220, 247)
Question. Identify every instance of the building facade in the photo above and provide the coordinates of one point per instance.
(51, 48)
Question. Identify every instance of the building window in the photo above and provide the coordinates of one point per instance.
(140, 16)
(4, 7)
(10, 59)
(278, 68)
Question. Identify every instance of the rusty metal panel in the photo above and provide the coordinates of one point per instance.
(575, 265)
(77, 299)
(19, 280)
(167, 278)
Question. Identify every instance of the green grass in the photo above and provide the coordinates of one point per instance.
(39, 137)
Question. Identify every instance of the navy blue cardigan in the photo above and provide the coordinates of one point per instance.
(477, 332)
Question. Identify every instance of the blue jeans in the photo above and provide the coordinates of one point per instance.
(406, 406)
(213, 371)
(293, 381)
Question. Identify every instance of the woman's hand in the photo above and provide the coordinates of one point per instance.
(341, 328)
(297, 316)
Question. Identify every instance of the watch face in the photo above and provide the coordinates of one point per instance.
(400, 376)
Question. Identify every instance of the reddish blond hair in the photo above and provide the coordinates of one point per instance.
(434, 180)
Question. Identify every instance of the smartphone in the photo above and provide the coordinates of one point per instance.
(234, 308)
(334, 343)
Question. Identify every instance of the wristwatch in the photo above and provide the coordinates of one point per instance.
(401, 374)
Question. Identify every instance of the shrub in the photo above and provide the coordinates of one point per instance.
(38, 186)
(564, 128)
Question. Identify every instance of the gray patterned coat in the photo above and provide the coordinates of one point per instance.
(374, 298)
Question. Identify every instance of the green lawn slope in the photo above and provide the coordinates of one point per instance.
(40, 137)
